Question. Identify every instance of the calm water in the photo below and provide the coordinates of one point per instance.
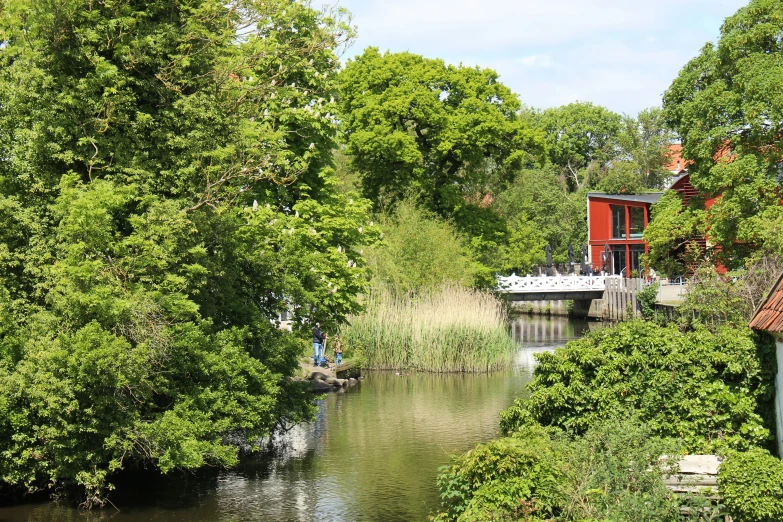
(372, 453)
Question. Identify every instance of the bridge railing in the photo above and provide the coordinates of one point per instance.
(519, 284)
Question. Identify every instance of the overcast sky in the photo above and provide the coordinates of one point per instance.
(622, 54)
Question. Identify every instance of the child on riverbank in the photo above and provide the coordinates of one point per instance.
(337, 346)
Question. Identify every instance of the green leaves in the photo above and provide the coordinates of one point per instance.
(166, 190)
(751, 483)
(727, 110)
(709, 390)
(613, 472)
(418, 127)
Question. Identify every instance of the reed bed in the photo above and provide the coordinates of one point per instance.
(453, 329)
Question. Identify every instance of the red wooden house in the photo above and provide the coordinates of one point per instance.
(616, 223)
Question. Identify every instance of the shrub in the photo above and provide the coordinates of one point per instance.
(752, 486)
(613, 472)
(647, 297)
(712, 390)
(492, 479)
(449, 330)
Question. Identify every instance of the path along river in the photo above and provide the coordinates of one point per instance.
(372, 453)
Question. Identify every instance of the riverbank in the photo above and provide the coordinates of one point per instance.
(371, 453)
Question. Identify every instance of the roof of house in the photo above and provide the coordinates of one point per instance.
(676, 162)
(650, 197)
(769, 314)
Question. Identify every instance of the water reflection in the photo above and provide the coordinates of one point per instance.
(537, 330)
(371, 454)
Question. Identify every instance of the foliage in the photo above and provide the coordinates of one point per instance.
(647, 297)
(711, 390)
(493, 480)
(613, 472)
(577, 135)
(416, 126)
(645, 143)
(165, 190)
(419, 253)
(451, 329)
(540, 210)
(715, 299)
(526, 247)
(671, 230)
(727, 107)
(622, 177)
(751, 484)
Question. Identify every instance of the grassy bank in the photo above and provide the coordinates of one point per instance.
(449, 330)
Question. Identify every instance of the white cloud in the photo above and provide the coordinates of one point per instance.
(537, 60)
(617, 53)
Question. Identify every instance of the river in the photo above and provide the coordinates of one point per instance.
(372, 453)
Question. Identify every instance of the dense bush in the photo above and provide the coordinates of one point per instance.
(711, 390)
(614, 472)
(751, 484)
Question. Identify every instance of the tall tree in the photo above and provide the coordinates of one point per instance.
(578, 135)
(416, 126)
(727, 106)
(645, 141)
(165, 189)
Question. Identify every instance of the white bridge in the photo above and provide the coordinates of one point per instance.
(554, 288)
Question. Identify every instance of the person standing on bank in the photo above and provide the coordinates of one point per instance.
(318, 342)
(337, 345)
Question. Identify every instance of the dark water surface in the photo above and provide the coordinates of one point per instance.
(372, 453)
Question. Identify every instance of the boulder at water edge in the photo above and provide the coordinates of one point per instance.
(320, 386)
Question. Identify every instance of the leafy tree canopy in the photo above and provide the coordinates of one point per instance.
(420, 252)
(165, 190)
(577, 135)
(727, 107)
(671, 229)
(416, 126)
(540, 211)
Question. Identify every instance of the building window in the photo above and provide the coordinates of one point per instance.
(637, 222)
(637, 251)
(618, 262)
(618, 221)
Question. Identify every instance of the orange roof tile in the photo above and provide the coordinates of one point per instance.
(769, 315)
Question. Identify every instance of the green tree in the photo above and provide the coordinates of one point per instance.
(578, 135)
(419, 252)
(539, 209)
(526, 247)
(622, 177)
(166, 189)
(416, 126)
(671, 230)
(645, 142)
(712, 391)
(727, 107)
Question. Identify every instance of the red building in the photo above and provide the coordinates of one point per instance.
(616, 223)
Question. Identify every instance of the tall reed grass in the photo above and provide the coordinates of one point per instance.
(452, 329)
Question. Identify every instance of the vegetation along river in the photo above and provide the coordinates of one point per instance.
(372, 453)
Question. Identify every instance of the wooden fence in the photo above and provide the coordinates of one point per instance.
(619, 302)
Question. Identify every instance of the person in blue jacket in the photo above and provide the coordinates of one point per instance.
(318, 343)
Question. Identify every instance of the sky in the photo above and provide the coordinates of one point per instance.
(622, 54)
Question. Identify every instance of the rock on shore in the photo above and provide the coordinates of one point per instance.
(321, 382)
